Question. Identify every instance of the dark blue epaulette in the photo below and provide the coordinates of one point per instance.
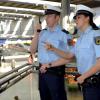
(65, 31)
(38, 30)
(44, 29)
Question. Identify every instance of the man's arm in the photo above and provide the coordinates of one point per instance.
(59, 62)
(65, 55)
(56, 63)
(34, 43)
(33, 49)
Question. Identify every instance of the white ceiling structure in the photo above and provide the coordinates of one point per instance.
(16, 9)
(36, 6)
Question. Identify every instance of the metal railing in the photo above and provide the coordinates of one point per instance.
(10, 78)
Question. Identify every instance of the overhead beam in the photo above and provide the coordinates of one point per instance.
(8, 18)
(35, 2)
(81, 1)
(22, 10)
(15, 15)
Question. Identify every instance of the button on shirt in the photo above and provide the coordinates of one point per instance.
(57, 38)
(86, 50)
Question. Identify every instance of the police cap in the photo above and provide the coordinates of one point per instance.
(81, 9)
(49, 9)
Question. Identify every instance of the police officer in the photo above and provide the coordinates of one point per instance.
(52, 68)
(87, 53)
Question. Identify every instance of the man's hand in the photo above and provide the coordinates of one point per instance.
(37, 28)
(48, 46)
(31, 59)
(44, 68)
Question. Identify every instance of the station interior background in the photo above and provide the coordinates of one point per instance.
(17, 21)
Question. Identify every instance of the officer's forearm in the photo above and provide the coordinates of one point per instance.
(34, 44)
(93, 70)
(59, 62)
(65, 55)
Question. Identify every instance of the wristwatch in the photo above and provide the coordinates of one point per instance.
(31, 56)
(50, 65)
(38, 30)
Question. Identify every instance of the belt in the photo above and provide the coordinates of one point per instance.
(92, 80)
(56, 70)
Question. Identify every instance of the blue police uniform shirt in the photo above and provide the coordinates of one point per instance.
(57, 38)
(86, 50)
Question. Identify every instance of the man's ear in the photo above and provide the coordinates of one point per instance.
(88, 18)
(57, 17)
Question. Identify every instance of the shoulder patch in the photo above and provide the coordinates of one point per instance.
(65, 31)
(97, 40)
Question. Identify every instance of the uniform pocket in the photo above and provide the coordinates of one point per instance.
(85, 44)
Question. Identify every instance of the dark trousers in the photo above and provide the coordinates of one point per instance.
(51, 87)
(91, 92)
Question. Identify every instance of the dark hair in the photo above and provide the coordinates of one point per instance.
(75, 31)
(94, 26)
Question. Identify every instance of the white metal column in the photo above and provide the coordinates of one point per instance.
(65, 13)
